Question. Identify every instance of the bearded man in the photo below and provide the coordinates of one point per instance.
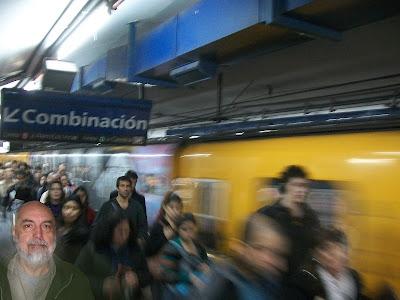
(34, 273)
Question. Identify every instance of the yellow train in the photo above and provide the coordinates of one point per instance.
(359, 172)
(356, 176)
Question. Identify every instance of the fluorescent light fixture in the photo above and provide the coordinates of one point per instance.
(24, 27)
(66, 19)
(86, 30)
(9, 85)
(134, 155)
(239, 133)
(59, 65)
(33, 85)
(266, 130)
(194, 137)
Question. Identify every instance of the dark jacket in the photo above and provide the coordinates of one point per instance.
(306, 284)
(136, 197)
(11, 193)
(70, 244)
(97, 264)
(302, 233)
(68, 283)
(134, 212)
(157, 239)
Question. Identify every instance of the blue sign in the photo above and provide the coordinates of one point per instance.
(53, 116)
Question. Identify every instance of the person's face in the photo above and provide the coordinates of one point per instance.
(71, 212)
(297, 189)
(37, 176)
(55, 191)
(121, 234)
(187, 231)
(20, 178)
(333, 258)
(266, 252)
(43, 180)
(34, 233)
(82, 195)
(173, 210)
(64, 180)
(124, 188)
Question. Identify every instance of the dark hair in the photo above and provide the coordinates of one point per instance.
(169, 197)
(331, 235)
(292, 171)
(123, 178)
(21, 172)
(23, 192)
(82, 189)
(131, 174)
(186, 217)
(259, 220)
(49, 188)
(76, 199)
(103, 232)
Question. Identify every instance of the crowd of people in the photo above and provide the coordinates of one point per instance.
(65, 250)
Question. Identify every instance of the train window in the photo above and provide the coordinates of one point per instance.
(325, 197)
(208, 200)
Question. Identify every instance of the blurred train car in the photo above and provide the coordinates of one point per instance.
(355, 180)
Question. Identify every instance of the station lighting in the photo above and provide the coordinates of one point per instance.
(86, 30)
(58, 75)
(9, 85)
(59, 65)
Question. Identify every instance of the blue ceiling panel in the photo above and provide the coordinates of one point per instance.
(155, 48)
(211, 20)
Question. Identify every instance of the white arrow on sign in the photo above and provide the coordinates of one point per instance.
(8, 117)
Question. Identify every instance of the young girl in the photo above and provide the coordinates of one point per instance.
(184, 261)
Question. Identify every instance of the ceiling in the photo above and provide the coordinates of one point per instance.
(36, 27)
(261, 75)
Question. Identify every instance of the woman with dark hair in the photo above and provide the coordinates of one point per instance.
(72, 231)
(184, 261)
(88, 212)
(164, 228)
(113, 261)
(55, 198)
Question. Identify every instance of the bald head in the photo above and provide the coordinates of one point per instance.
(33, 208)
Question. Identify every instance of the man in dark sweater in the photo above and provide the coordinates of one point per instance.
(296, 218)
(124, 203)
(135, 195)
